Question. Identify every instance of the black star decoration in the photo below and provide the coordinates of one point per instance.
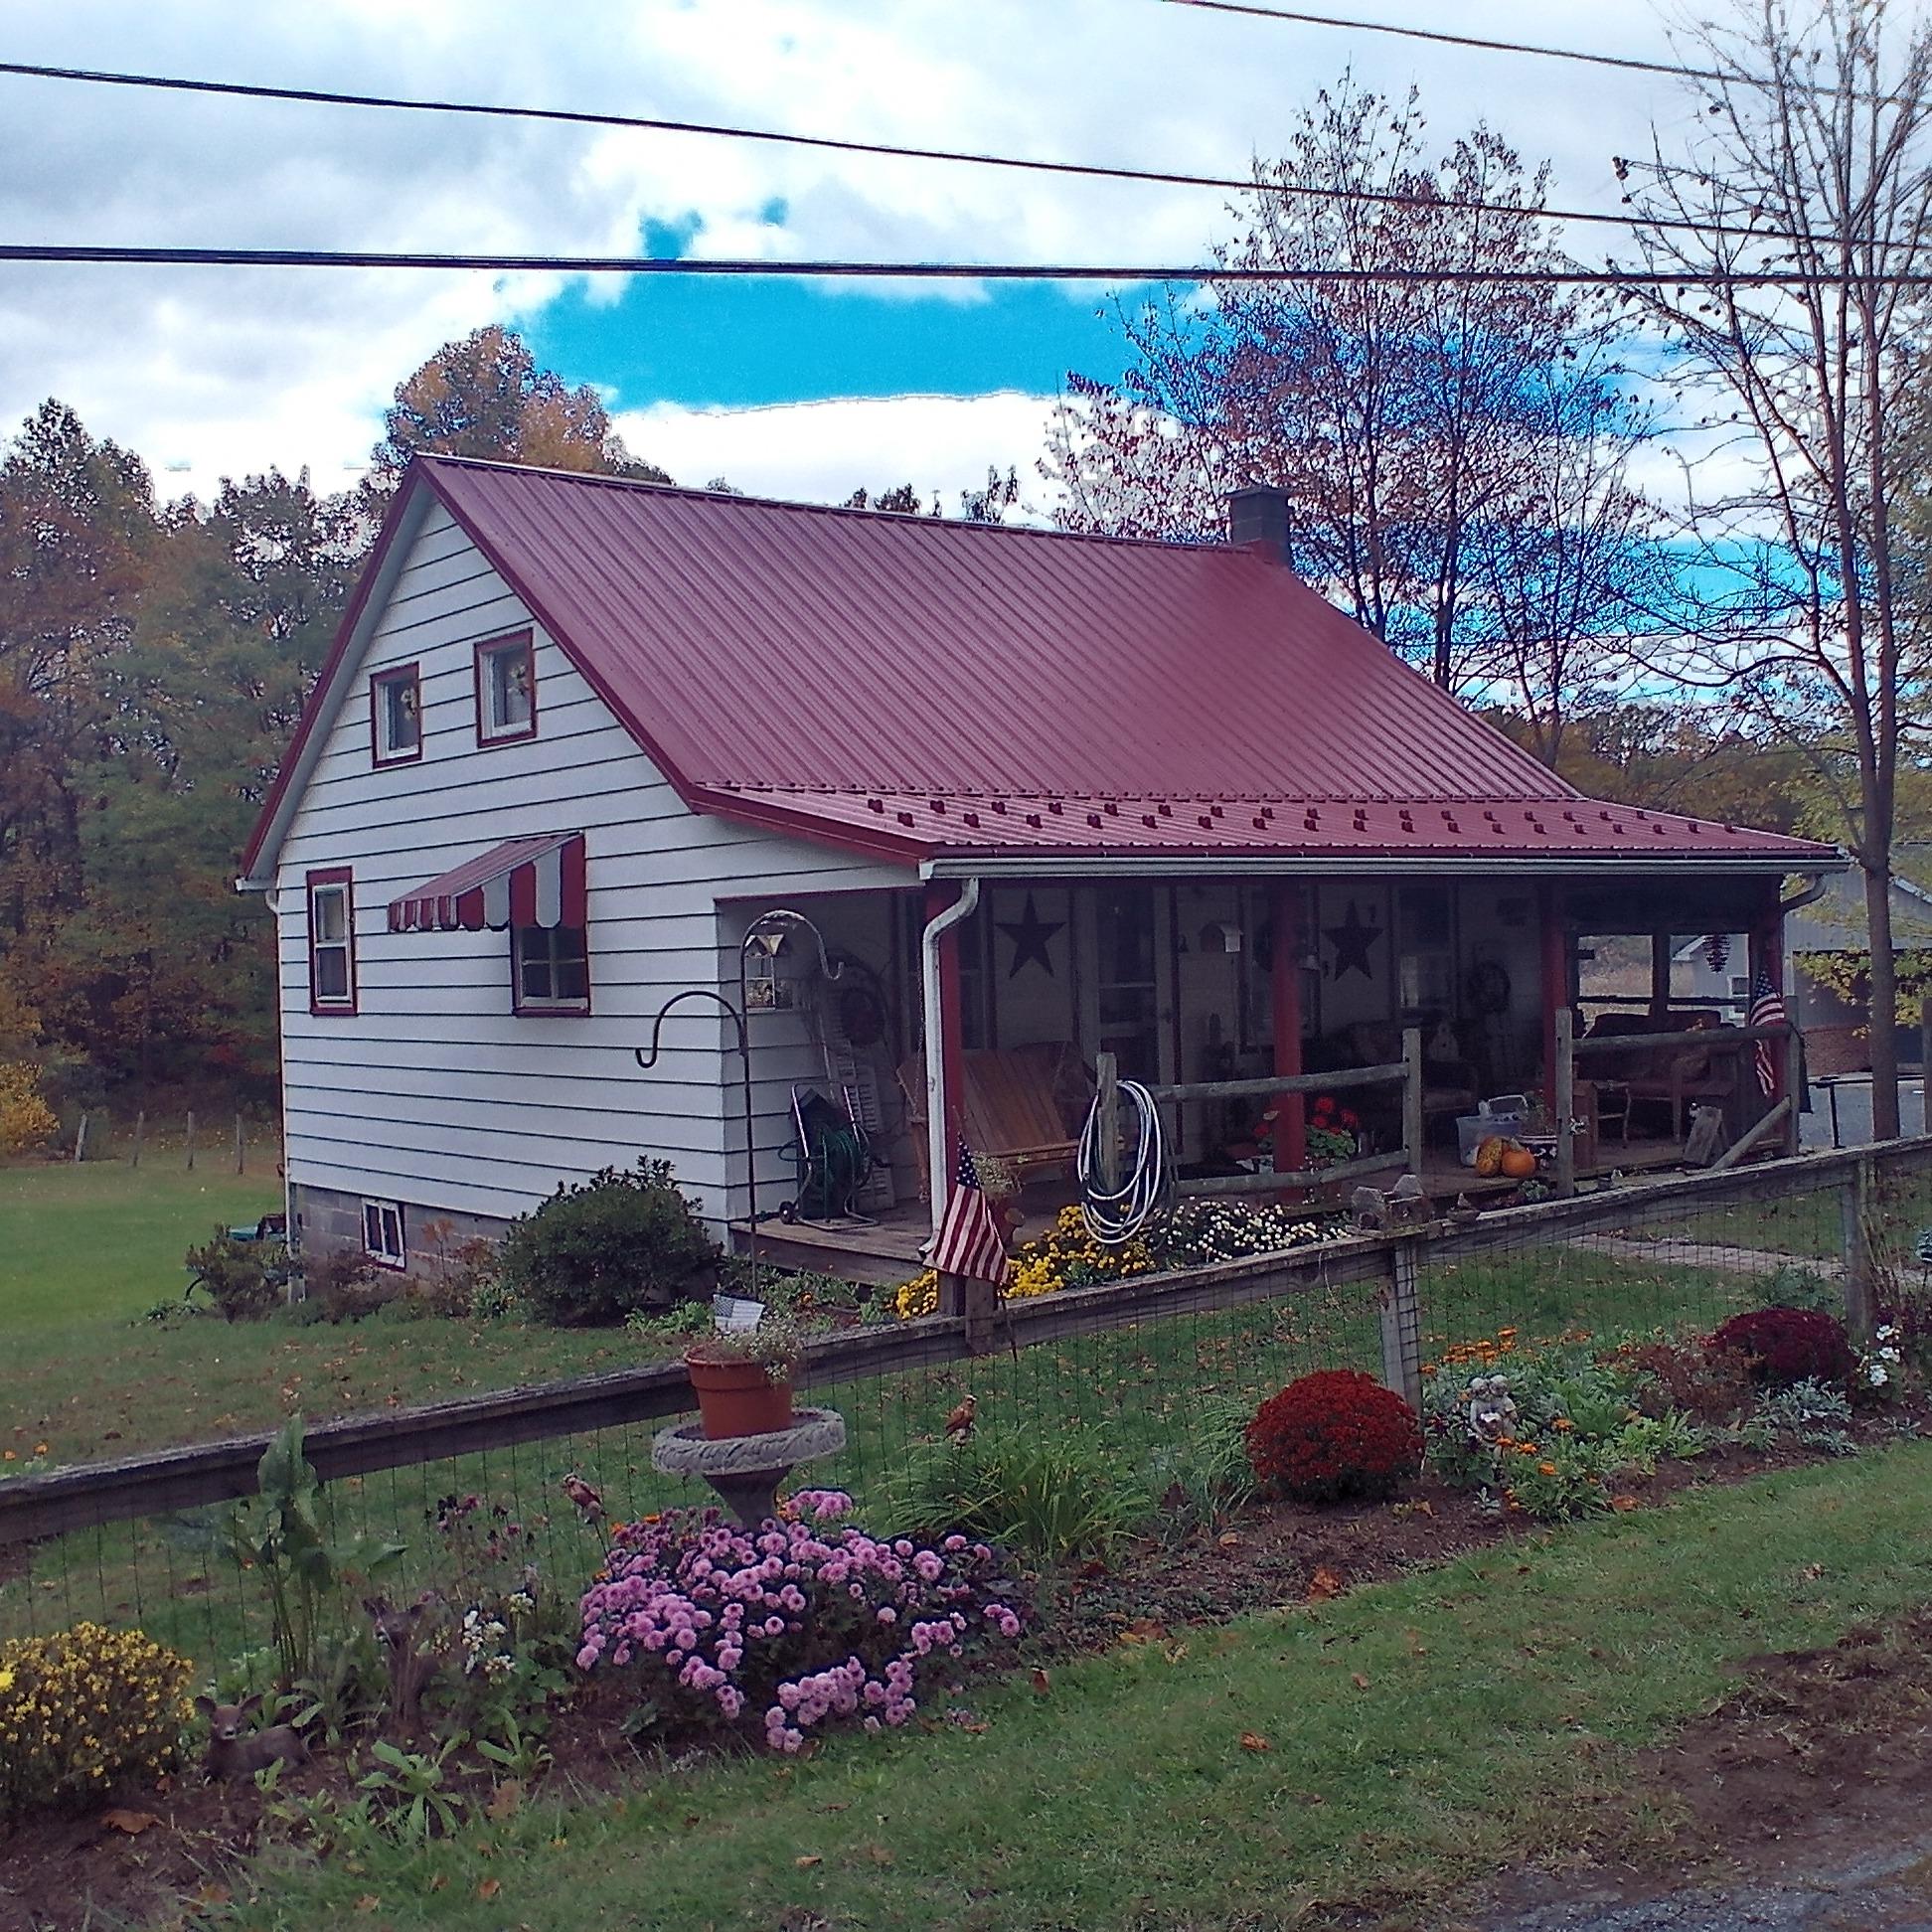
(1031, 936)
(1351, 940)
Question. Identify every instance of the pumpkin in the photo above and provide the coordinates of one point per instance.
(1518, 1162)
(1489, 1156)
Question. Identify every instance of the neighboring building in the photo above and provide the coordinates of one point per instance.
(1837, 1032)
(577, 733)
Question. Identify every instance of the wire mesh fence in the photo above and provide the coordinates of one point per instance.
(1136, 1363)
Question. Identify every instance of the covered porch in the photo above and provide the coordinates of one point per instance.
(1000, 994)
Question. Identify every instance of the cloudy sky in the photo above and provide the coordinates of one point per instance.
(783, 388)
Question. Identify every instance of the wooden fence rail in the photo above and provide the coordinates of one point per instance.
(90, 1494)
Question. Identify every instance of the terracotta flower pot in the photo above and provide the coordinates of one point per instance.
(738, 1398)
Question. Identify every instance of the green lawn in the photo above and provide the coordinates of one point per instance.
(1418, 1736)
(104, 1241)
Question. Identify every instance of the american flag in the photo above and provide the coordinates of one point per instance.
(968, 1242)
(1768, 1009)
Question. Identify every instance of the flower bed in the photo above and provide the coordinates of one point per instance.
(789, 1628)
(1197, 1232)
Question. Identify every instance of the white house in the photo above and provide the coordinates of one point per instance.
(575, 733)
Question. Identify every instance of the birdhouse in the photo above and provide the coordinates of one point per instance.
(766, 990)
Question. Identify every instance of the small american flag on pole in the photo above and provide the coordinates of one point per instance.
(968, 1242)
(1768, 1009)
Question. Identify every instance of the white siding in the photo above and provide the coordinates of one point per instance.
(434, 1094)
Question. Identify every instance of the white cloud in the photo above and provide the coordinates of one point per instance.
(820, 452)
(230, 369)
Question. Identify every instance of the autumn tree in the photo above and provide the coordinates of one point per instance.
(1402, 411)
(1785, 229)
(485, 396)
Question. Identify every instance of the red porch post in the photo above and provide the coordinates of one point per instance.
(1284, 989)
(943, 1130)
(1556, 976)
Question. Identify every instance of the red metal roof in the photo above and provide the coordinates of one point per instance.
(890, 683)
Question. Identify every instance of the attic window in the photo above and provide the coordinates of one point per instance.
(506, 689)
(396, 715)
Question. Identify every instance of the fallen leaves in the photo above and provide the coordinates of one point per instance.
(1360, 1681)
(808, 1860)
(1622, 1505)
(504, 1801)
(1254, 1741)
(1323, 1584)
(1041, 1683)
(489, 1888)
(1144, 1629)
(133, 1822)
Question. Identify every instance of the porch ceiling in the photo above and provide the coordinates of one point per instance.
(1015, 831)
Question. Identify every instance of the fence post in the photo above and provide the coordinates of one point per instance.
(1106, 1082)
(1563, 1080)
(1854, 1224)
(240, 1147)
(1412, 1098)
(1401, 1323)
(191, 1140)
(81, 1141)
(1794, 1085)
(140, 1129)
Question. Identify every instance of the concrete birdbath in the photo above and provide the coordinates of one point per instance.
(746, 1471)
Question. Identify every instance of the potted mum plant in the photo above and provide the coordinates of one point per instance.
(744, 1376)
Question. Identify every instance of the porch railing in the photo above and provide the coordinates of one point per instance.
(1781, 1118)
(1405, 1073)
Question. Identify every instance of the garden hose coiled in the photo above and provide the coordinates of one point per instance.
(1116, 1215)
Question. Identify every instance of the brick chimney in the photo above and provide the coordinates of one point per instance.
(1257, 520)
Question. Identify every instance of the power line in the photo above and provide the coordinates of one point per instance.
(48, 252)
(1085, 170)
(1629, 62)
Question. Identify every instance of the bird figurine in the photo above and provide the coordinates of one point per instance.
(584, 1496)
(959, 1424)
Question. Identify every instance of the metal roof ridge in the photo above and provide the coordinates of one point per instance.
(920, 518)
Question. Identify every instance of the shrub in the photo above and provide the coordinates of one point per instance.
(1789, 1344)
(1051, 1493)
(1710, 1383)
(780, 1631)
(83, 1708)
(246, 1280)
(1334, 1434)
(26, 1120)
(612, 1244)
(344, 1285)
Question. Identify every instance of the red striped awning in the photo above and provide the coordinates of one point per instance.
(533, 882)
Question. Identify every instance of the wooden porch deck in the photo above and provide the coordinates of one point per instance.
(885, 1252)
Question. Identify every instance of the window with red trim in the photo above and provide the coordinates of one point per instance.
(506, 689)
(396, 715)
(332, 941)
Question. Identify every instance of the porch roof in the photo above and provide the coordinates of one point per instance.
(1047, 832)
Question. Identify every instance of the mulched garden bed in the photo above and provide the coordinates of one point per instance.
(190, 1838)
(1282, 1553)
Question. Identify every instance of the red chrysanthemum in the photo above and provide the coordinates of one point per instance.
(1787, 1344)
(1334, 1434)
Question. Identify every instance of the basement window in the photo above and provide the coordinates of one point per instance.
(382, 1233)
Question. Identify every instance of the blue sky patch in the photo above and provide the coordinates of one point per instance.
(735, 344)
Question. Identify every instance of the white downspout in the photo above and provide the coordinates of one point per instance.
(938, 1154)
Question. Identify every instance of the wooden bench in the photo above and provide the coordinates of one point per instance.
(1011, 1109)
